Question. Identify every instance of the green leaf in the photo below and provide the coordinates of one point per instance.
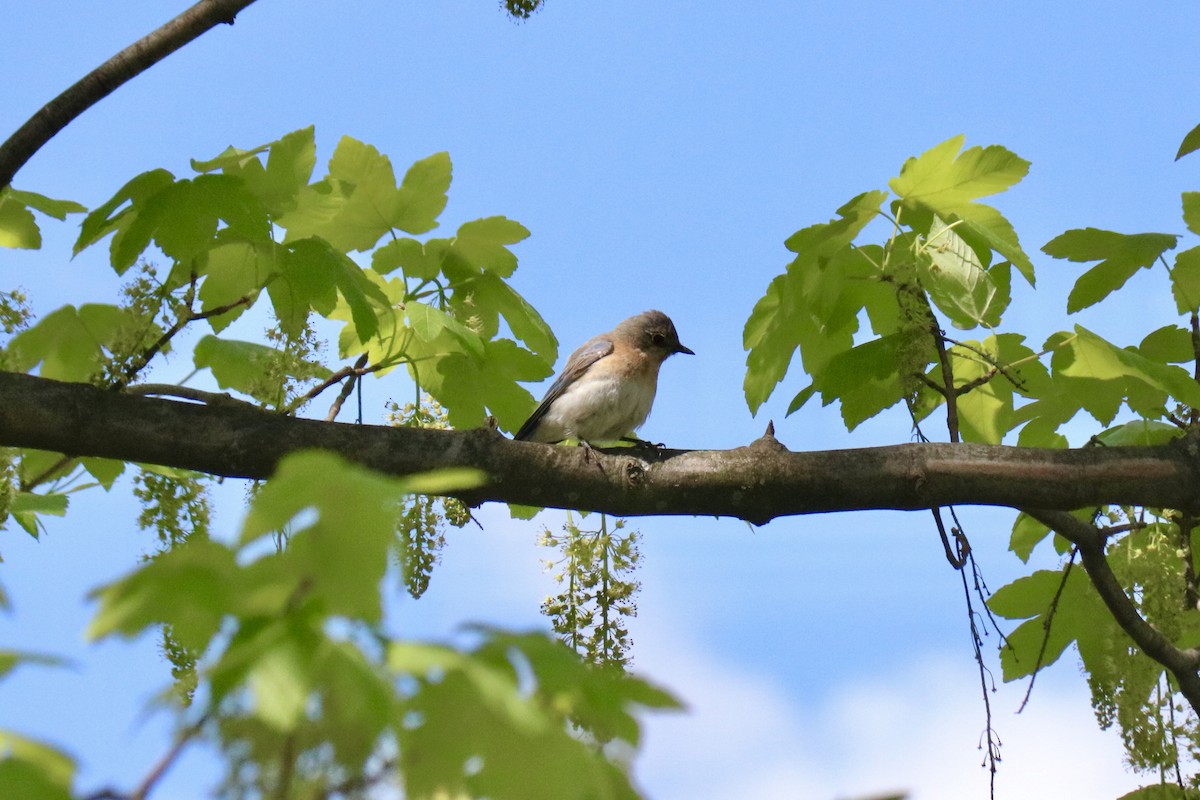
(368, 182)
(1120, 256)
(482, 244)
(340, 571)
(1089, 357)
(1169, 344)
(116, 215)
(471, 706)
(986, 411)
(30, 503)
(1185, 280)
(281, 676)
(863, 378)
(18, 227)
(1079, 617)
(947, 182)
(470, 387)
(1027, 533)
(942, 176)
(59, 209)
(357, 702)
(1140, 433)
(104, 470)
(417, 260)
(182, 219)
(361, 202)
(189, 587)
(802, 397)
(237, 365)
(422, 195)
(314, 273)
(958, 283)
(11, 659)
(1191, 211)
(489, 296)
(1190, 143)
(814, 304)
(33, 769)
(235, 271)
(70, 343)
(289, 167)
(430, 324)
(393, 339)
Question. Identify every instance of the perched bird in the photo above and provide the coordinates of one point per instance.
(606, 389)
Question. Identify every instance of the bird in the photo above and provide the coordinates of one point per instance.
(605, 391)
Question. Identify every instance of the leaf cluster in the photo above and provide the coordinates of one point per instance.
(301, 683)
(949, 258)
(255, 224)
(869, 320)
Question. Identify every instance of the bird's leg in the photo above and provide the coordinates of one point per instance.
(589, 454)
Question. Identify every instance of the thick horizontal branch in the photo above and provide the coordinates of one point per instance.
(758, 482)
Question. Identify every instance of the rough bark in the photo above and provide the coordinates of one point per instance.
(104, 79)
(757, 482)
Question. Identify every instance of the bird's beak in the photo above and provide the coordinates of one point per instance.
(679, 348)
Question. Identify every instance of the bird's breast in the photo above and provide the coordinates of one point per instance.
(602, 406)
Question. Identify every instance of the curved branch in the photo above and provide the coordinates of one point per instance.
(1183, 664)
(757, 482)
(187, 393)
(104, 79)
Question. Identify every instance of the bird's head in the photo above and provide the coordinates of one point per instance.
(654, 334)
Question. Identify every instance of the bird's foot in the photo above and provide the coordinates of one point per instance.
(636, 442)
(590, 454)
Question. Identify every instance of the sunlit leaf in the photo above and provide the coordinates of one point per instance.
(948, 182)
(189, 587)
(70, 343)
(33, 769)
(1120, 256)
(1185, 280)
(814, 305)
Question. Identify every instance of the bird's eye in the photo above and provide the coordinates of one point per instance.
(658, 338)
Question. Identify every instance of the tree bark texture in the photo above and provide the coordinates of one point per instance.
(758, 482)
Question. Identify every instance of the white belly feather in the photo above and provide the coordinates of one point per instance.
(599, 409)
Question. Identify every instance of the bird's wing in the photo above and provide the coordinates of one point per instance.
(589, 353)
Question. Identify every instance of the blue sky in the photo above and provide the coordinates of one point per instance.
(660, 153)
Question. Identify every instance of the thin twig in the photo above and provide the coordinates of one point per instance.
(347, 388)
(340, 375)
(44, 475)
(169, 758)
(1047, 624)
(363, 781)
(957, 560)
(184, 320)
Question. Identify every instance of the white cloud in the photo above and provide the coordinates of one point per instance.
(912, 727)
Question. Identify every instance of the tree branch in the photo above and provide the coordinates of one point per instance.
(102, 81)
(1183, 664)
(758, 482)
